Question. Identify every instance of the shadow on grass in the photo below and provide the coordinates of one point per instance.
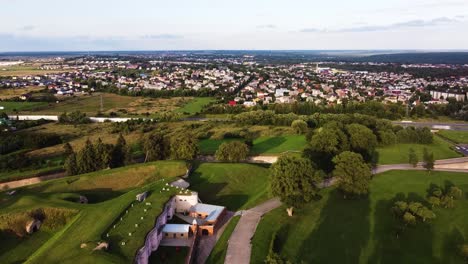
(268, 144)
(341, 235)
(391, 245)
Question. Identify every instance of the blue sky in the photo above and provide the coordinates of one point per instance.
(32, 25)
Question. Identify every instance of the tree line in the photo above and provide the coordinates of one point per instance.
(97, 156)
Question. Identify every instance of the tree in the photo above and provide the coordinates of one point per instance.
(362, 140)
(455, 192)
(387, 137)
(86, 158)
(70, 165)
(324, 145)
(294, 180)
(155, 147)
(434, 201)
(408, 218)
(300, 126)
(184, 146)
(353, 173)
(67, 149)
(413, 158)
(428, 158)
(464, 251)
(234, 151)
(120, 153)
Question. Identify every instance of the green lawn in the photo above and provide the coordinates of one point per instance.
(218, 254)
(261, 145)
(334, 230)
(11, 107)
(195, 105)
(111, 193)
(398, 153)
(234, 185)
(455, 136)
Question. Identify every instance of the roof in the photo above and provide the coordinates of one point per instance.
(213, 211)
(176, 228)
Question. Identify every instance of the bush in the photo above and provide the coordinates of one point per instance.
(234, 151)
(300, 126)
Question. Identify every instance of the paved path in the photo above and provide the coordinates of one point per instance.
(239, 245)
(207, 243)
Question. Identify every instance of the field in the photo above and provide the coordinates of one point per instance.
(460, 137)
(261, 145)
(25, 70)
(110, 193)
(398, 153)
(7, 93)
(12, 107)
(218, 254)
(77, 136)
(195, 105)
(334, 230)
(236, 186)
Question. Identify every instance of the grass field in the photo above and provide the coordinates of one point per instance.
(334, 230)
(261, 145)
(398, 153)
(11, 107)
(110, 194)
(236, 186)
(7, 93)
(25, 70)
(122, 105)
(195, 105)
(77, 136)
(218, 254)
(460, 137)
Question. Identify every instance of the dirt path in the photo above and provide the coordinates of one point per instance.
(239, 245)
(30, 181)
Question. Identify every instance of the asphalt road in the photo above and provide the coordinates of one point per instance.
(462, 148)
(462, 126)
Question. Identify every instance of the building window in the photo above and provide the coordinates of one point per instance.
(166, 234)
(181, 235)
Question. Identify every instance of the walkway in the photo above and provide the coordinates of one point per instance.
(239, 245)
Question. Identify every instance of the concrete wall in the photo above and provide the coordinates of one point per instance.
(183, 203)
(154, 237)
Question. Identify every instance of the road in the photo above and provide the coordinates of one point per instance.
(239, 245)
(462, 126)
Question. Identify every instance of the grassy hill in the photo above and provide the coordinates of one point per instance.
(111, 194)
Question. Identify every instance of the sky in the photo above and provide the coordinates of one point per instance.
(88, 25)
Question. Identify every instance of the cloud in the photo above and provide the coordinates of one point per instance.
(311, 30)
(440, 21)
(27, 28)
(267, 26)
(162, 36)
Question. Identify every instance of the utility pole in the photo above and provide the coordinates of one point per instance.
(102, 104)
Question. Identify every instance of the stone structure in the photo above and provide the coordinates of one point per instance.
(101, 246)
(154, 237)
(141, 196)
(83, 200)
(33, 226)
